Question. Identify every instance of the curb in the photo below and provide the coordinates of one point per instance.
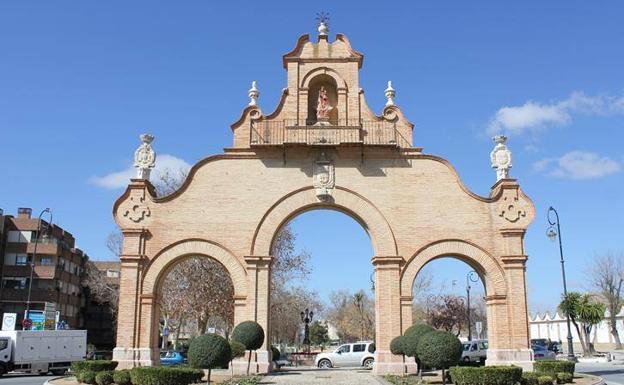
(49, 382)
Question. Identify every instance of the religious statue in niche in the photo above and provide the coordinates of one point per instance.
(323, 108)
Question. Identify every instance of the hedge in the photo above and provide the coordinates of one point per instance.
(565, 378)
(104, 378)
(545, 380)
(157, 375)
(490, 375)
(250, 380)
(86, 376)
(529, 378)
(94, 366)
(552, 367)
(122, 377)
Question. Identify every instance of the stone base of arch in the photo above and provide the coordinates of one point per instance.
(518, 357)
(133, 357)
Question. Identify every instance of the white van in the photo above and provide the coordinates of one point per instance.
(475, 351)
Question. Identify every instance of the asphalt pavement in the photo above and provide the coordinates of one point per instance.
(612, 372)
(24, 379)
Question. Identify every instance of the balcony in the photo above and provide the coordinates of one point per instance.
(277, 133)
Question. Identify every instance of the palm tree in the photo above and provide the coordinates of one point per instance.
(585, 313)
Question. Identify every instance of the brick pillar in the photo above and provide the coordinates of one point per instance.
(514, 348)
(128, 351)
(258, 306)
(387, 313)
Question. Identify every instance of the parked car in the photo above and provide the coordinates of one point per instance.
(541, 353)
(475, 351)
(170, 358)
(354, 355)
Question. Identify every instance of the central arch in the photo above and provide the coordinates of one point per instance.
(344, 200)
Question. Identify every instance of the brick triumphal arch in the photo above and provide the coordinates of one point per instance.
(331, 152)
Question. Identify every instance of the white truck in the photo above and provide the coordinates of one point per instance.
(41, 352)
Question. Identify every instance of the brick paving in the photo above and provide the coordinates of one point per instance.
(313, 376)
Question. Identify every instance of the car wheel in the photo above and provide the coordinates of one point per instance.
(324, 364)
(58, 372)
(466, 359)
(368, 363)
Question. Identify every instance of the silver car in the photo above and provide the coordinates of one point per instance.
(355, 354)
(475, 351)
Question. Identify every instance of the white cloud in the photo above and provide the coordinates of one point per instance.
(119, 179)
(532, 116)
(578, 165)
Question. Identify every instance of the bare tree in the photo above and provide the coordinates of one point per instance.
(607, 276)
(102, 289)
(447, 312)
(352, 314)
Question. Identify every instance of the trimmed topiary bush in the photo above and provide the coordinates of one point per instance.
(104, 378)
(87, 376)
(565, 378)
(552, 367)
(158, 375)
(490, 375)
(122, 377)
(95, 366)
(396, 346)
(545, 380)
(529, 378)
(275, 353)
(209, 351)
(439, 350)
(411, 337)
(250, 334)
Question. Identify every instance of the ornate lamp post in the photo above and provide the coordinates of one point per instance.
(472, 276)
(32, 261)
(552, 234)
(306, 318)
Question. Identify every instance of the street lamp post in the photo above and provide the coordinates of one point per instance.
(556, 234)
(470, 277)
(32, 262)
(306, 318)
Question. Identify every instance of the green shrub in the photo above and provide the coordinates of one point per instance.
(412, 336)
(564, 378)
(439, 350)
(250, 334)
(490, 375)
(104, 378)
(122, 377)
(275, 353)
(544, 380)
(552, 367)
(209, 351)
(87, 376)
(95, 365)
(237, 349)
(529, 378)
(396, 346)
(158, 375)
(402, 380)
(250, 380)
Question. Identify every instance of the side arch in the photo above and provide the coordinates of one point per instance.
(343, 200)
(488, 268)
(163, 261)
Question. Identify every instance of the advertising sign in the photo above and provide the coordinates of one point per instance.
(8, 321)
(37, 317)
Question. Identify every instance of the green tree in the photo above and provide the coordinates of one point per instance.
(411, 338)
(209, 351)
(318, 333)
(396, 346)
(440, 350)
(585, 313)
(238, 350)
(250, 334)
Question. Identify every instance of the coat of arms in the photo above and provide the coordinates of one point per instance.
(323, 179)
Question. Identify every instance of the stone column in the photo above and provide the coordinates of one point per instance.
(387, 313)
(343, 110)
(128, 351)
(258, 307)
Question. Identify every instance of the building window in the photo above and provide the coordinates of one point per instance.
(21, 259)
(46, 261)
(14, 282)
(19, 236)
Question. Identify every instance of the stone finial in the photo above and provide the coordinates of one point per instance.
(253, 94)
(144, 157)
(390, 93)
(501, 157)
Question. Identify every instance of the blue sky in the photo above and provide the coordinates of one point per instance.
(79, 81)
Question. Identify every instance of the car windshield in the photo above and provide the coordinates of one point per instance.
(344, 349)
(466, 347)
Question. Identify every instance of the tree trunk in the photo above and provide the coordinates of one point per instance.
(248, 362)
(581, 337)
(443, 377)
(209, 372)
(614, 332)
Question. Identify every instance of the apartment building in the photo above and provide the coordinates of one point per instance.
(57, 271)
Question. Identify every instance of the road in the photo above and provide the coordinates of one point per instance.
(24, 379)
(612, 372)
